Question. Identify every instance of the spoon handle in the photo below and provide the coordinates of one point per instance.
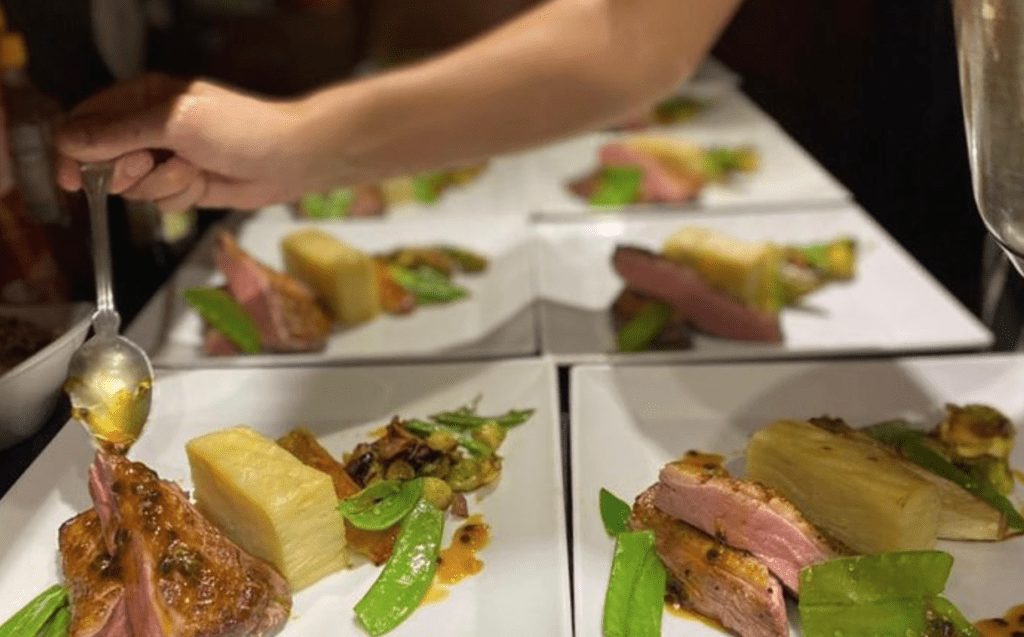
(96, 180)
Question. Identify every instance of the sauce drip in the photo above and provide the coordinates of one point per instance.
(116, 424)
(435, 594)
(459, 560)
(1009, 625)
(674, 609)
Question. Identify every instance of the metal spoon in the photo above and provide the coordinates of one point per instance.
(110, 378)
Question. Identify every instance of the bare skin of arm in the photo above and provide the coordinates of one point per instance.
(565, 67)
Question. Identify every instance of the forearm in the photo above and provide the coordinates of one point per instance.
(565, 67)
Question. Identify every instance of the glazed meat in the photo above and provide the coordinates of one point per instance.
(285, 311)
(144, 562)
(708, 309)
(745, 515)
(728, 585)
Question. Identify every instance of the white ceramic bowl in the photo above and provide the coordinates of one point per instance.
(29, 391)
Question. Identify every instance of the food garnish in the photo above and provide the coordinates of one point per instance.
(639, 333)
(427, 284)
(614, 513)
(407, 576)
(460, 560)
(635, 599)
(382, 504)
(227, 316)
(884, 594)
(283, 513)
(46, 613)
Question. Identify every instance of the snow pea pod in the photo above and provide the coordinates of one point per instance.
(640, 331)
(472, 445)
(59, 624)
(382, 504)
(469, 420)
(31, 619)
(407, 576)
(427, 284)
(634, 601)
(873, 578)
(910, 444)
(614, 513)
(226, 315)
(618, 186)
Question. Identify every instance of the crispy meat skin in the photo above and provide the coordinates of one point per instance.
(720, 582)
(144, 562)
(745, 515)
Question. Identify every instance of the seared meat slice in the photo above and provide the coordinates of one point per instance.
(707, 308)
(746, 515)
(284, 309)
(177, 573)
(730, 586)
(93, 579)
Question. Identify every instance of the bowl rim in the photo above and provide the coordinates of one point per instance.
(81, 319)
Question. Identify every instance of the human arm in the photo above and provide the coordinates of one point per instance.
(564, 67)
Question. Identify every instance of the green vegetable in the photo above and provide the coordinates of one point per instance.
(409, 571)
(31, 619)
(614, 513)
(719, 162)
(427, 187)
(636, 588)
(382, 504)
(467, 260)
(884, 594)
(425, 429)
(912, 445)
(677, 109)
(226, 315)
(59, 624)
(427, 284)
(994, 471)
(467, 419)
(337, 204)
(874, 578)
(640, 331)
(618, 186)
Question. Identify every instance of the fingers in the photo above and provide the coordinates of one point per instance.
(173, 177)
(245, 195)
(128, 170)
(101, 138)
(183, 200)
(133, 95)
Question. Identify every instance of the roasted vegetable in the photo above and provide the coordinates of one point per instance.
(747, 271)
(914, 446)
(833, 261)
(634, 601)
(719, 163)
(467, 260)
(375, 545)
(394, 298)
(406, 577)
(677, 109)
(976, 430)
(851, 487)
(437, 492)
(226, 315)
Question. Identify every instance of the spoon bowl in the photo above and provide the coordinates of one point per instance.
(110, 378)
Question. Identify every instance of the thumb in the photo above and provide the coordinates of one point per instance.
(97, 137)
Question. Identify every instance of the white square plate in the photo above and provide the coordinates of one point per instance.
(495, 320)
(787, 174)
(627, 422)
(891, 306)
(523, 588)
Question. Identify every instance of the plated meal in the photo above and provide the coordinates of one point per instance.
(842, 519)
(327, 282)
(269, 519)
(659, 170)
(720, 285)
(374, 200)
(901, 518)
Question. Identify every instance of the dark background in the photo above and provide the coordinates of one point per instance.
(869, 87)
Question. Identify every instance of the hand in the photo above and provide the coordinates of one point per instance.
(227, 149)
